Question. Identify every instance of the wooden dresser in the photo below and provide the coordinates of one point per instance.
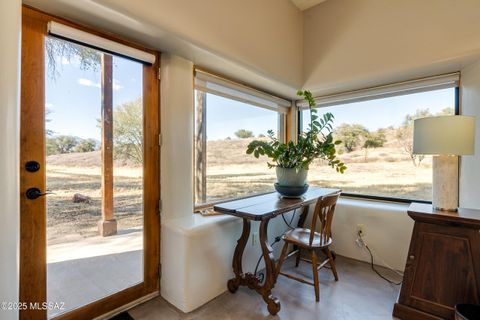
(443, 263)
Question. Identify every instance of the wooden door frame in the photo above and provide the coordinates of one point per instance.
(33, 264)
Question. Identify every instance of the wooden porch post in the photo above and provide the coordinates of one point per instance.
(107, 225)
(201, 149)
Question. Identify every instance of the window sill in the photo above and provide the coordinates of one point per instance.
(198, 208)
(196, 223)
(381, 198)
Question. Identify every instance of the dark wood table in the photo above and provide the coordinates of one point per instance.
(263, 208)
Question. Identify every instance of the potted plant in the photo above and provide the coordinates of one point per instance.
(292, 160)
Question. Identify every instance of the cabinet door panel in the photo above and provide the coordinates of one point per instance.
(442, 273)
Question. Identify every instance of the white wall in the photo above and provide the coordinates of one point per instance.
(387, 230)
(200, 251)
(10, 15)
(177, 118)
(265, 34)
(259, 42)
(197, 251)
(352, 44)
(470, 165)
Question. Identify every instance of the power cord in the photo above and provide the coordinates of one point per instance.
(261, 275)
(361, 242)
(289, 224)
(277, 239)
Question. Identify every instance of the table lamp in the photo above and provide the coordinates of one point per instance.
(444, 137)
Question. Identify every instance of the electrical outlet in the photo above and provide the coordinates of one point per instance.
(361, 229)
(360, 242)
(254, 238)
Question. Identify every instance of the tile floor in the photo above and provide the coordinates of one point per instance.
(359, 294)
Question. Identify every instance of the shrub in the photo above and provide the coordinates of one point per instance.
(244, 134)
(86, 145)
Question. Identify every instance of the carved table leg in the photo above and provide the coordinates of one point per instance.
(301, 224)
(273, 304)
(234, 283)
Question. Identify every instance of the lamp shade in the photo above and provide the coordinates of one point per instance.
(444, 135)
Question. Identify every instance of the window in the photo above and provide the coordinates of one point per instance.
(227, 117)
(377, 142)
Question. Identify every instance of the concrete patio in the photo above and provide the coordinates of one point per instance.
(84, 271)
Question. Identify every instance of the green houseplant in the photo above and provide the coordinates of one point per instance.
(292, 160)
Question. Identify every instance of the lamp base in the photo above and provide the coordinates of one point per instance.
(445, 183)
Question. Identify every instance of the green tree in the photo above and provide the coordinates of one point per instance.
(351, 135)
(405, 134)
(51, 146)
(48, 132)
(57, 51)
(446, 111)
(374, 140)
(244, 134)
(86, 145)
(128, 131)
(66, 144)
(61, 144)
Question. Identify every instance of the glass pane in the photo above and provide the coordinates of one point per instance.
(94, 167)
(229, 127)
(377, 145)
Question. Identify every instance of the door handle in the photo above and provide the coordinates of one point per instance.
(35, 193)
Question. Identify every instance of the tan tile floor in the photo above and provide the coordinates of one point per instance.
(359, 294)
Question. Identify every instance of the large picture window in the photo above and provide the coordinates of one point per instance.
(377, 141)
(227, 119)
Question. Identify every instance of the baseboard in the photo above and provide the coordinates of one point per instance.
(128, 306)
(407, 313)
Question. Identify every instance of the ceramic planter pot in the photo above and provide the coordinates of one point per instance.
(291, 177)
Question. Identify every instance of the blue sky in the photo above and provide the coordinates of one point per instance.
(226, 116)
(74, 100)
(382, 113)
(74, 97)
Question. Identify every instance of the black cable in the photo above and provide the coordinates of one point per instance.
(376, 271)
(277, 239)
(289, 224)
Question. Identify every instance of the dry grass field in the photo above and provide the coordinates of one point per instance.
(386, 171)
(68, 174)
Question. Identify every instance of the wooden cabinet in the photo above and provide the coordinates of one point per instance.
(443, 263)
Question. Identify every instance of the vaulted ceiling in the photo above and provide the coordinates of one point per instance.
(305, 4)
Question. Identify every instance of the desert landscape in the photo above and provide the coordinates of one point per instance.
(230, 173)
(71, 173)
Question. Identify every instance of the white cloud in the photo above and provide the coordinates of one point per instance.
(116, 85)
(87, 83)
(48, 105)
(65, 61)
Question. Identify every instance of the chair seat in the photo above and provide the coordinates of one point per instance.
(301, 238)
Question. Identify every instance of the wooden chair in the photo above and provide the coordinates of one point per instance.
(313, 241)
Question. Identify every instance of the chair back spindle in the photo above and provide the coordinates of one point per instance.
(323, 214)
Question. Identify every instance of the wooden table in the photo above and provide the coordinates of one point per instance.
(263, 208)
(443, 264)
